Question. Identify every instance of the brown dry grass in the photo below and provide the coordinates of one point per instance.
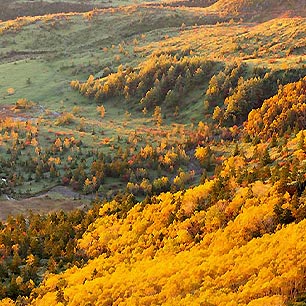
(57, 198)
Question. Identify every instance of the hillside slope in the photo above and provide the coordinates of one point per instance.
(219, 243)
(284, 111)
(12, 9)
(263, 8)
(193, 205)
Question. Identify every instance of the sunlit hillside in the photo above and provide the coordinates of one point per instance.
(237, 239)
(153, 153)
(263, 8)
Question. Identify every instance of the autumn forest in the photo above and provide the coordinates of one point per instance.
(153, 153)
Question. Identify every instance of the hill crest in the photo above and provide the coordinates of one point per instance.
(268, 7)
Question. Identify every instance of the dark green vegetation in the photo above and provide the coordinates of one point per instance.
(138, 100)
(32, 245)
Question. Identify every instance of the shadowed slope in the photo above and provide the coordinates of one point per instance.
(11, 10)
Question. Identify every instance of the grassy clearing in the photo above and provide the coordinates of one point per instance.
(39, 205)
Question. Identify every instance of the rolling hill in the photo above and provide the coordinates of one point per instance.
(153, 153)
(13, 9)
(264, 9)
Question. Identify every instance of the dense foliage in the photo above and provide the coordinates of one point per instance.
(196, 241)
(30, 246)
(241, 93)
(193, 205)
(284, 111)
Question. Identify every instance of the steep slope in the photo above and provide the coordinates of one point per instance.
(172, 253)
(237, 239)
(286, 110)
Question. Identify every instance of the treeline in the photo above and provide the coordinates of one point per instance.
(162, 79)
(238, 93)
(232, 93)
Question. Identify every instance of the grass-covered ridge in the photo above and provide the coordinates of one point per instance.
(261, 8)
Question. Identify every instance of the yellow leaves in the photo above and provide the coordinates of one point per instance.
(10, 91)
(235, 162)
(277, 114)
(163, 145)
(7, 302)
(157, 116)
(24, 104)
(183, 178)
(14, 135)
(132, 187)
(239, 199)
(90, 79)
(300, 155)
(87, 182)
(170, 157)
(65, 119)
(260, 189)
(19, 280)
(203, 129)
(48, 299)
(31, 284)
(34, 142)
(67, 142)
(215, 216)
(54, 160)
(15, 248)
(106, 141)
(146, 186)
(101, 110)
(194, 195)
(108, 207)
(30, 259)
(200, 153)
(147, 151)
(58, 143)
(213, 278)
(227, 253)
(287, 197)
(75, 84)
(268, 301)
(232, 163)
